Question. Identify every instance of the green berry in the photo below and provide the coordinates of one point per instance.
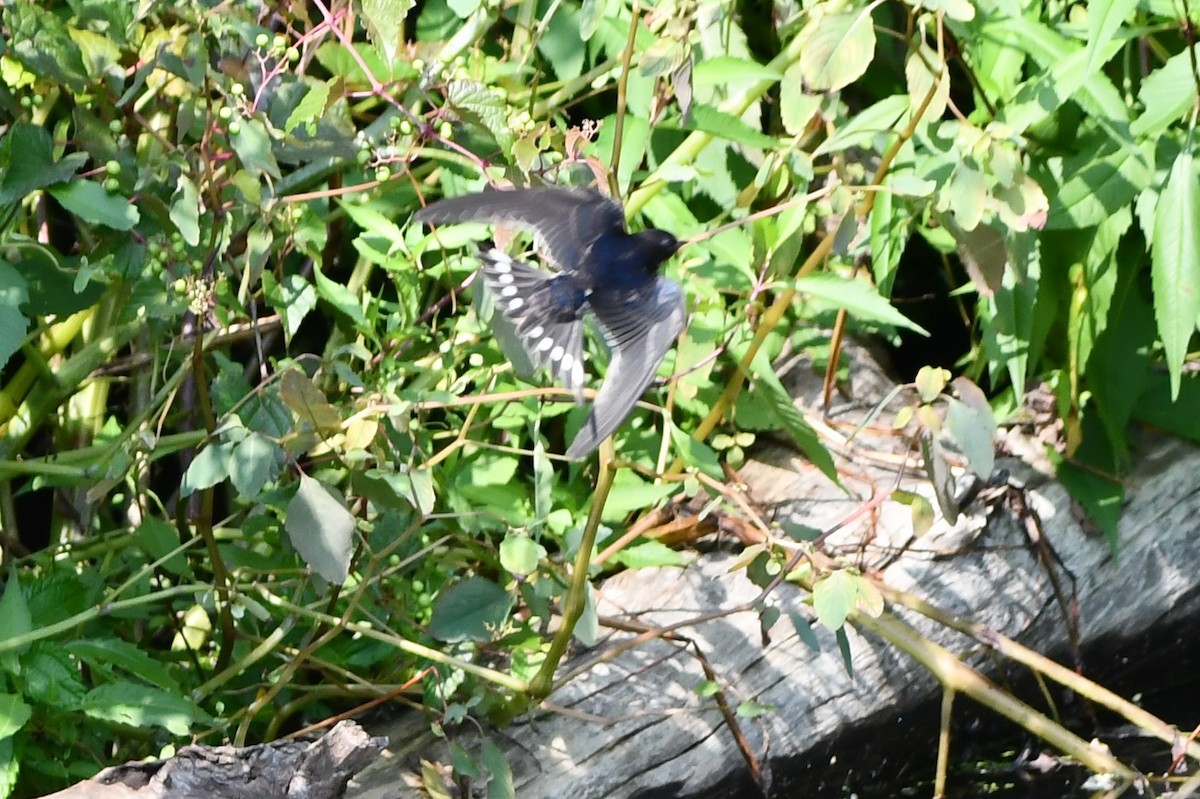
(237, 90)
(405, 127)
(280, 42)
(26, 102)
(180, 286)
(446, 130)
(178, 247)
(113, 168)
(382, 174)
(418, 64)
(262, 40)
(114, 126)
(225, 113)
(112, 185)
(235, 128)
(38, 100)
(362, 157)
(293, 55)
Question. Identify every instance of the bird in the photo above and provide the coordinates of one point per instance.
(599, 269)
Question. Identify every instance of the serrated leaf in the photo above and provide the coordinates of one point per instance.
(321, 529)
(308, 402)
(696, 454)
(861, 299)
(1104, 19)
(1166, 94)
(310, 108)
(862, 129)
(474, 609)
(373, 222)
(1096, 187)
(383, 19)
(728, 127)
(839, 50)
(103, 652)
(27, 162)
(340, 298)
(136, 705)
(1175, 263)
(483, 105)
(91, 202)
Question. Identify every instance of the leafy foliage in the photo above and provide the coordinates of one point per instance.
(244, 406)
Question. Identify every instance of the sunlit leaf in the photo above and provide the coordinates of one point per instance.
(1175, 263)
(839, 50)
(321, 529)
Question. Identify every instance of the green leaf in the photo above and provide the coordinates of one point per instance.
(472, 610)
(135, 705)
(14, 713)
(1104, 18)
(321, 529)
(972, 428)
(649, 554)
(185, 210)
(1100, 497)
(14, 292)
(937, 467)
(160, 541)
(92, 203)
(340, 298)
(252, 144)
(866, 125)
(858, 297)
(375, 223)
(484, 106)
(1166, 94)
(383, 20)
(834, 597)
(15, 618)
(725, 69)
(27, 162)
(255, 461)
(104, 652)
(310, 108)
(519, 554)
(804, 631)
(1175, 263)
(500, 786)
(696, 454)
(839, 50)
(1096, 187)
(631, 492)
(209, 467)
(728, 127)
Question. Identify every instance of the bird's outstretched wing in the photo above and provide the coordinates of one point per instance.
(565, 222)
(640, 326)
(548, 316)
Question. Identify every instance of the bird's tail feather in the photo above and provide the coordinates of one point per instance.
(550, 330)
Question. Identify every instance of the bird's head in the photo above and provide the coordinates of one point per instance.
(656, 245)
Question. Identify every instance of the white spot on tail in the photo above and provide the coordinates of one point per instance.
(501, 267)
(556, 353)
(577, 374)
(503, 278)
(536, 332)
(545, 344)
(567, 360)
(515, 304)
(509, 291)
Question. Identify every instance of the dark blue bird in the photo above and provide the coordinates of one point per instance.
(601, 268)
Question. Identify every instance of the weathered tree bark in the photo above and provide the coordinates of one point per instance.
(284, 770)
(633, 724)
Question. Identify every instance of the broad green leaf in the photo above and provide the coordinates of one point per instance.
(311, 107)
(500, 786)
(474, 609)
(631, 492)
(160, 540)
(185, 210)
(373, 222)
(796, 106)
(858, 297)
(1175, 263)
(1102, 498)
(92, 203)
(1096, 186)
(728, 127)
(15, 618)
(834, 597)
(785, 413)
(254, 462)
(1104, 18)
(136, 705)
(340, 298)
(105, 652)
(921, 70)
(483, 105)
(1166, 94)
(937, 468)
(725, 69)
(252, 144)
(14, 713)
(972, 429)
(209, 467)
(804, 631)
(520, 554)
(27, 162)
(839, 50)
(14, 292)
(696, 454)
(383, 19)
(865, 126)
(321, 529)
(648, 554)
